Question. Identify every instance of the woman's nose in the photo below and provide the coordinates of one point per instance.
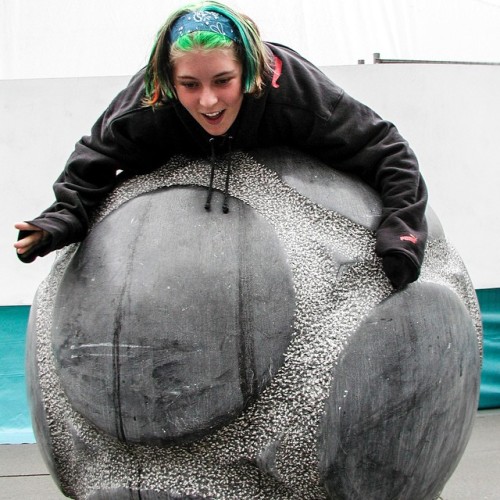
(208, 98)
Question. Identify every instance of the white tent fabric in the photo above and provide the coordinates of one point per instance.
(62, 61)
(74, 38)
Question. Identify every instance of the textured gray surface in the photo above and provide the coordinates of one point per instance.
(271, 450)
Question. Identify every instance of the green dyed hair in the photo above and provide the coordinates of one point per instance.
(251, 52)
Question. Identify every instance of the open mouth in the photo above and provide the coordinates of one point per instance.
(214, 117)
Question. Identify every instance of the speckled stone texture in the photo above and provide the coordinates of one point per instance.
(353, 391)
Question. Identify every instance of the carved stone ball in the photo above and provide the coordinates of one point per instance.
(180, 353)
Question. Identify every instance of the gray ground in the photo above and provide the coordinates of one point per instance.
(24, 476)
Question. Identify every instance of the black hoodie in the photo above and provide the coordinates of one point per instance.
(301, 107)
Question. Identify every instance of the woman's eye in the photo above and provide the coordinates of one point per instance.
(189, 85)
(222, 81)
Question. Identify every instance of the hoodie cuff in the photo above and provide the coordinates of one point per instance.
(60, 232)
(39, 250)
(391, 241)
(399, 269)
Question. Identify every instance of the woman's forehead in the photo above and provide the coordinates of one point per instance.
(206, 60)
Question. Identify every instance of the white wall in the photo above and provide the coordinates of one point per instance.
(448, 113)
(69, 38)
(40, 122)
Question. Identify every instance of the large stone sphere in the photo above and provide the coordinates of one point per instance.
(170, 319)
(179, 353)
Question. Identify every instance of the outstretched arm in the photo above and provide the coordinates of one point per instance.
(89, 175)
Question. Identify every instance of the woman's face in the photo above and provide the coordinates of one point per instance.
(209, 85)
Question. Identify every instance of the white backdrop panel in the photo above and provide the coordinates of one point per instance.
(448, 113)
(69, 38)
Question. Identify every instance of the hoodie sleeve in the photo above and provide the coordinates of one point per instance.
(318, 116)
(355, 139)
(89, 175)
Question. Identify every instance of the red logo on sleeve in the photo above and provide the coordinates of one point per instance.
(409, 237)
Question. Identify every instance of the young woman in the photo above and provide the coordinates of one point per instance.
(211, 86)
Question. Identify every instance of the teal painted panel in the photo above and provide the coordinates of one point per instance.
(489, 303)
(15, 421)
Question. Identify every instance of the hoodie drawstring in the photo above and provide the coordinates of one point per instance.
(225, 204)
(212, 174)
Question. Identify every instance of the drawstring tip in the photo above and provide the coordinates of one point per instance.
(225, 208)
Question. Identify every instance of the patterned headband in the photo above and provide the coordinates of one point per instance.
(204, 20)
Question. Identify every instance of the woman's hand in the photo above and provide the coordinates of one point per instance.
(27, 243)
(399, 269)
